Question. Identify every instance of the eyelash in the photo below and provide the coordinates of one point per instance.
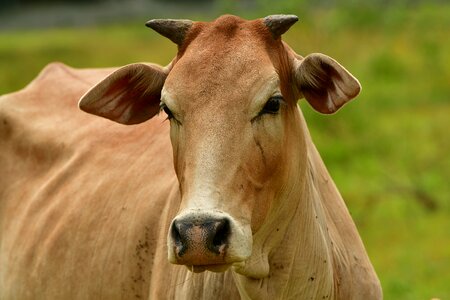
(163, 107)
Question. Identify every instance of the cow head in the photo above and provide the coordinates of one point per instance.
(237, 136)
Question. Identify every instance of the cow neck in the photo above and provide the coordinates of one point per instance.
(291, 253)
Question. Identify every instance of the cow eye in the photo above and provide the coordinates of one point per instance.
(272, 105)
(163, 106)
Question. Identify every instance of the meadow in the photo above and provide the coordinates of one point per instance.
(388, 151)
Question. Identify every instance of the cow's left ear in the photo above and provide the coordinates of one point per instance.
(129, 95)
(324, 83)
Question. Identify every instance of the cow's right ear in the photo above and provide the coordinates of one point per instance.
(129, 95)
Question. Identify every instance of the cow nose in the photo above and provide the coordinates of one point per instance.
(196, 239)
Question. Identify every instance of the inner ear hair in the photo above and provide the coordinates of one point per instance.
(324, 83)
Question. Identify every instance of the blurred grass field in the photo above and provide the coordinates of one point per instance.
(388, 151)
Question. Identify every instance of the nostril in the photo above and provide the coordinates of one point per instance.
(177, 237)
(175, 232)
(220, 236)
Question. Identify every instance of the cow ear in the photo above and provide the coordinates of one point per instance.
(129, 95)
(324, 83)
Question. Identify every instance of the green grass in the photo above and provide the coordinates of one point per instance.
(24, 54)
(387, 151)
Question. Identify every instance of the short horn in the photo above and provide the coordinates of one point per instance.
(279, 24)
(174, 30)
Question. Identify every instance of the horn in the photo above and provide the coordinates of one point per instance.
(174, 30)
(279, 24)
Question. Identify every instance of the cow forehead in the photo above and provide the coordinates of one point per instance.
(226, 33)
(227, 60)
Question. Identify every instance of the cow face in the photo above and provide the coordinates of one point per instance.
(230, 96)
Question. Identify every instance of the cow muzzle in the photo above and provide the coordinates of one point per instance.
(206, 240)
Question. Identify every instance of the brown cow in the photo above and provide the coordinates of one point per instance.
(87, 205)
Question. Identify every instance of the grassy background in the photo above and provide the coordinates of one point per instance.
(387, 151)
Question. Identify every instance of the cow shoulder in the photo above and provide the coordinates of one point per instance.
(57, 72)
(41, 123)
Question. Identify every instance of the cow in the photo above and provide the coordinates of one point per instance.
(222, 196)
